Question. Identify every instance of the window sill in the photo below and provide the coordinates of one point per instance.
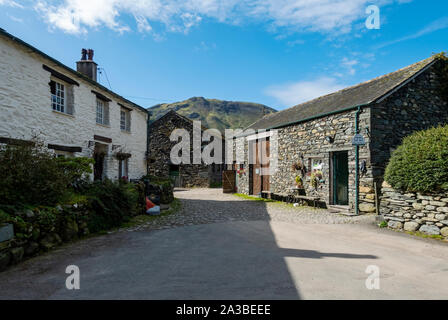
(64, 114)
(126, 131)
(103, 125)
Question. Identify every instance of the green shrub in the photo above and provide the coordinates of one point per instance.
(76, 170)
(4, 217)
(112, 203)
(158, 180)
(420, 164)
(30, 174)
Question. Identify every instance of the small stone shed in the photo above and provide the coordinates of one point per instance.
(159, 149)
(318, 135)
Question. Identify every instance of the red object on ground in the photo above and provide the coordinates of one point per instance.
(149, 204)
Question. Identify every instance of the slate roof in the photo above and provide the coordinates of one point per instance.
(349, 98)
(172, 112)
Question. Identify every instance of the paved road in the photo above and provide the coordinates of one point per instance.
(279, 253)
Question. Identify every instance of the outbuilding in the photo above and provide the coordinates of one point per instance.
(336, 147)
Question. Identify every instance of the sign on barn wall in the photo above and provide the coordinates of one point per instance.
(358, 140)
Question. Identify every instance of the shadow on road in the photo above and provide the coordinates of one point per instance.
(233, 260)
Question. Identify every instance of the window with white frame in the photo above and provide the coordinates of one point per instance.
(123, 168)
(58, 96)
(102, 112)
(125, 120)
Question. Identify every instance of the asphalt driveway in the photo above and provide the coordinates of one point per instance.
(250, 250)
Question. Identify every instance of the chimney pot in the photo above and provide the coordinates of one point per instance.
(86, 65)
(84, 54)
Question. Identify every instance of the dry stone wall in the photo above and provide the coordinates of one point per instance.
(414, 211)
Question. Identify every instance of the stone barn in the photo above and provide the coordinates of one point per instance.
(159, 149)
(315, 140)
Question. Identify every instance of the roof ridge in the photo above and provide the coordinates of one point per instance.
(429, 60)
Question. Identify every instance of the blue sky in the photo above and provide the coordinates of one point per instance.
(275, 52)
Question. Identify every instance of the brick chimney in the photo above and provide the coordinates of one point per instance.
(86, 65)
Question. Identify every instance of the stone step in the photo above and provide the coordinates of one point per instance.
(345, 210)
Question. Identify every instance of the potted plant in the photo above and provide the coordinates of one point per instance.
(316, 178)
(299, 182)
(297, 166)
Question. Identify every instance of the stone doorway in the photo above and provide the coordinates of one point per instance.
(99, 155)
(340, 178)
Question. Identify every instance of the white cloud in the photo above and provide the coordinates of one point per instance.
(326, 16)
(294, 43)
(203, 46)
(349, 65)
(15, 19)
(294, 93)
(10, 3)
(436, 25)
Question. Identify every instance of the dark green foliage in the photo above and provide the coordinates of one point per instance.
(111, 203)
(46, 197)
(164, 186)
(420, 164)
(30, 174)
(76, 170)
(158, 180)
(216, 185)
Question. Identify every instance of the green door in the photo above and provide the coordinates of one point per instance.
(340, 178)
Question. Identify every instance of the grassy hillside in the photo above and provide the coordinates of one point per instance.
(215, 113)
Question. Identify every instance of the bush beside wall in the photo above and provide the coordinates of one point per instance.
(420, 164)
(50, 200)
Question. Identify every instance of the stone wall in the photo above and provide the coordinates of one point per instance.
(26, 112)
(414, 211)
(416, 106)
(242, 176)
(308, 139)
(39, 235)
(159, 147)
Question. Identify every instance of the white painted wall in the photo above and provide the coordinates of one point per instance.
(25, 111)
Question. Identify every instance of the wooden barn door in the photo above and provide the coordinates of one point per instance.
(265, 145)
(229, 181)
(255, 168)
(259, 170)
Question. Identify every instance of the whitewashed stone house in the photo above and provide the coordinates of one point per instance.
(314, 139)
(69, 110)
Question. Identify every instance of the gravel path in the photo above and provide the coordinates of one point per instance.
(204, 206)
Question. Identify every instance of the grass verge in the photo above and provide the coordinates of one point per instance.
(175, 206)
(424, 235)
(246, 197)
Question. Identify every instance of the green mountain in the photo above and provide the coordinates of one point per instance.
(214, 113)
